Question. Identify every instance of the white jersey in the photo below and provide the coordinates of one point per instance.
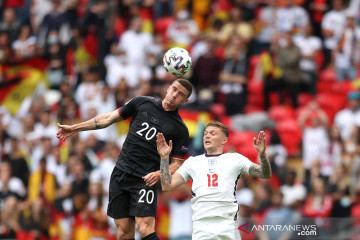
(214, 183)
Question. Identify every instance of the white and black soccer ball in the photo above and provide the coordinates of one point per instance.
(177, 61)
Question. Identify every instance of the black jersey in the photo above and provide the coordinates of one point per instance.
(139, 155)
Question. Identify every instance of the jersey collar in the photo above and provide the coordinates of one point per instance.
(215, 155)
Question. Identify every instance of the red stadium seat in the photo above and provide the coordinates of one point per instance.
(161, 26)
(304, 98)
(218, 110)
(280, 113)
(327, 75)
(255, 87)
(331, 103)
(249, 108)
(290, 135)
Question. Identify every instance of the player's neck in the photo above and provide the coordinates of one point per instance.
(167, 107)
(214, 152)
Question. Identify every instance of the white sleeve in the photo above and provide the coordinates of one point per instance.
(184, 170)
(317, 44)
(243, 164)
(16, 186)
(326, 22)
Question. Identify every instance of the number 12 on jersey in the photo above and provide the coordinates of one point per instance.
(212, 180)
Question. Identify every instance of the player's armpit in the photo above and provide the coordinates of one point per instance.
(261, 171)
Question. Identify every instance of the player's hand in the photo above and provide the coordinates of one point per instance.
(152, 178)
(259, 143)
(162, 147)
(64, 132)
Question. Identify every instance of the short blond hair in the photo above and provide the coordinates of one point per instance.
(217, 124)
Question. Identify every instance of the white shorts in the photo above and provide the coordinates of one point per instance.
(215, 228)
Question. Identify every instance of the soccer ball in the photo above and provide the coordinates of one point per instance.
(177, 61)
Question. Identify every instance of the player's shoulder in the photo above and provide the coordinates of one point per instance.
(234, 155)
(143, 99)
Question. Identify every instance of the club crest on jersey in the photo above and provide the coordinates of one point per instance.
(155, 120)
(212, 164)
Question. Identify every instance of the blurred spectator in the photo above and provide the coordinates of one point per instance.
(55, 54)
(238, 26)
(39, 9)
(180, 213)
(207, 68)
(318, 205)
(317, 10)
(42, 150)
(294, 193)
(291, 18)
(310, 47)
(5, 48)
(347, 56)
(336, 145)
(263, 195)
(9, 185)
(24, 46)
(183, 30)
(42, 184)
(248, 9)
(278, 215)
(163, 8)
(136, 44)
(288, 59)
(233, 77)
(57, 20)
(266, 26)
(9, 24)
(277, 155)
(9, 221)
(19, 167)
(87, 91)
(343, 193)
(315, 140)
(46, 128)
(333, 25)
(244, 195)
(35, 221)
(348, 117)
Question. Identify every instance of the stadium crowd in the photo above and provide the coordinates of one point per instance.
(287, 66)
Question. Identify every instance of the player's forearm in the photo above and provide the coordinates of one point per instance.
(165, 175)
(263, 170)
(98, 122)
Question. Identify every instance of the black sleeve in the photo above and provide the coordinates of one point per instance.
(129, 108)
(181, 146)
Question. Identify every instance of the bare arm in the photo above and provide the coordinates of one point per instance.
(98, 122)
(152, 178)
(168, 181)
(263, 170)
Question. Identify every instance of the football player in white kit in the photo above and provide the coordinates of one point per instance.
(214, 175)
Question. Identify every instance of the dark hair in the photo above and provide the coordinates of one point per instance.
(217, 124)
(186, 84)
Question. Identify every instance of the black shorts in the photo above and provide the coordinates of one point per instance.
(130, 197)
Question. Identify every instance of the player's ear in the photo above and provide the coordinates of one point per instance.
(224, 141)
(185, 101)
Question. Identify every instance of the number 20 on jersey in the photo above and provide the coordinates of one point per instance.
(212, 180)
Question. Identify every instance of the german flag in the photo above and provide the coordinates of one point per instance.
(18, 83)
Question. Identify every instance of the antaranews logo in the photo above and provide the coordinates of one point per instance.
(300, 229)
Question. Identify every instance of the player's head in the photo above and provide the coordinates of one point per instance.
(178, 93)
(215, 137)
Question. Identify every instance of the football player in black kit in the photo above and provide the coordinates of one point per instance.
(132, 190)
